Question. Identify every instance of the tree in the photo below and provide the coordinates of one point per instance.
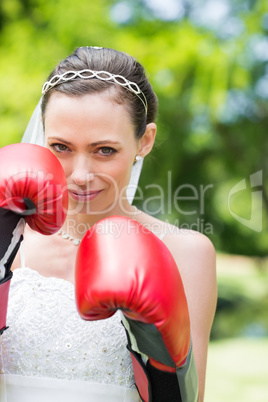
(207, 61)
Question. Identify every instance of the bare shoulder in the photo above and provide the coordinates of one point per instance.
(190, 247)
(195, 257)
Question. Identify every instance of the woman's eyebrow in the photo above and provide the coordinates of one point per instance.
(59, 139)
(93, 144)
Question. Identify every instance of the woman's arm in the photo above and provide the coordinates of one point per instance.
(195, 257)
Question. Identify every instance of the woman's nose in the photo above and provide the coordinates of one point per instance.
(81, 173)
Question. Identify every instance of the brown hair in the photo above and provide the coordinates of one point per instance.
(115, 62)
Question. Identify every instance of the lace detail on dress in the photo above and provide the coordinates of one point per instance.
(47, 337)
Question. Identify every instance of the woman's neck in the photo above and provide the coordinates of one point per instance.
(76, 225)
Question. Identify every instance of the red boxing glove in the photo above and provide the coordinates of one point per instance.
(33, 188)
(33, 183)
(122, 265)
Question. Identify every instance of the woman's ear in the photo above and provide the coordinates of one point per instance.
(146, 142)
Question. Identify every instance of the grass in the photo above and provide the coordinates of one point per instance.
(237, 371)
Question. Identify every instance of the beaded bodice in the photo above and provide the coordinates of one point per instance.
(47, 338)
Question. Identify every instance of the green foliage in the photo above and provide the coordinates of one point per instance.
(213, 113)
(242, 304)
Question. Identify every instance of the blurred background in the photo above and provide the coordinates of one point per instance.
(208, 63)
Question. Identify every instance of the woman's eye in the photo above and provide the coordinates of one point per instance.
(106, 151)
(59, 147)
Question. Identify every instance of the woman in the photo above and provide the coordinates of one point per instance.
(99, 123)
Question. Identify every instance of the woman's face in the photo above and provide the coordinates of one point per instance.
(93, 138)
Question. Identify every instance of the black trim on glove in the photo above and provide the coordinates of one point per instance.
(8, 223)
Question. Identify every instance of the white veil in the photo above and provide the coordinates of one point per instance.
(34, 134)
(34, 131)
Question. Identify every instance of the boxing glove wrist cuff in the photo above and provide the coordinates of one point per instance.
(156, 385)
(11, 234)
(154, 380)
(152, 384)
(4, 292)
(141, 376)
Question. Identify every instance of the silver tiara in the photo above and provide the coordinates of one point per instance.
(100, 75)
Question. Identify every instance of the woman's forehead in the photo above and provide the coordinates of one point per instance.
(95, 116)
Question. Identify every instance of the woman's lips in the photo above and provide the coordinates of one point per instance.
(84, 196)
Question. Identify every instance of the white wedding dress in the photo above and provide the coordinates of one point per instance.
(51, 355)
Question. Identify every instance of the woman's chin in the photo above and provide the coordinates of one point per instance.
(94, 207)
